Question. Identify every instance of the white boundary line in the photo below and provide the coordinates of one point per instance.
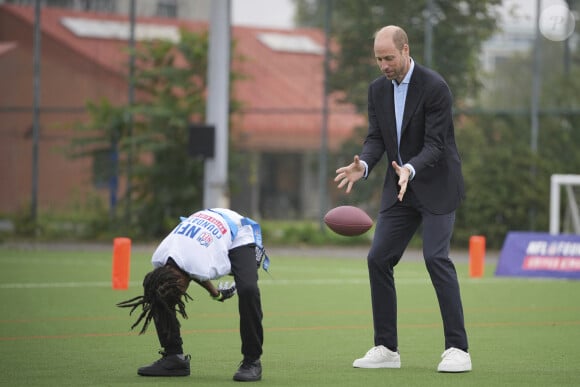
(270, 282)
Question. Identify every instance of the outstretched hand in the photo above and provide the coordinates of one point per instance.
(350, 174)
(403, 174)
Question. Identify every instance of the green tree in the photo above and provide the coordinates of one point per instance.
(508, 184)
(501, 190)
(167, 183)
(459, 28)
(170, 80)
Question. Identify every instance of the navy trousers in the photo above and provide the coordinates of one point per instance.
(394, 229)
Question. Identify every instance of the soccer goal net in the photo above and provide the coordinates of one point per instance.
(571, 220)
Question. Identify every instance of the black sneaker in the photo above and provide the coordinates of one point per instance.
(168, 365)
(249, 371)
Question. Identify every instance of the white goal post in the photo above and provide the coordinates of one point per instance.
(566, 181)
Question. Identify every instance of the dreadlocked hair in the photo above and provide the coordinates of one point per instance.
(161, 298)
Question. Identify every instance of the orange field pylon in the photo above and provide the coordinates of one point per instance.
(121, 262)
(476, 256)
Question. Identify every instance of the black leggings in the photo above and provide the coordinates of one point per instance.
(244, 270)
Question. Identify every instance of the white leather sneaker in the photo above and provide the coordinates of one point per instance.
(379, 357)
(454, 360)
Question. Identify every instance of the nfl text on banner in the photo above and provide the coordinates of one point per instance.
(532, 254)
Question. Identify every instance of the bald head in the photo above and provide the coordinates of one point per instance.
(394, 34)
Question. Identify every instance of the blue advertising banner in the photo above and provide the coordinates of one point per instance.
(533, 254)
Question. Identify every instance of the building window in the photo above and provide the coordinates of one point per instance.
(104, 169)
(167, 8)
(49, 3)
(98, 5)
(85, 5)
(59, 3)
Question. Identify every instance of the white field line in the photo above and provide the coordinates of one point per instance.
(266, 282)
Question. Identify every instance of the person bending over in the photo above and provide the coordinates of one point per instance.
(205, 246)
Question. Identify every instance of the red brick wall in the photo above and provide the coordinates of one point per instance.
(67, 82)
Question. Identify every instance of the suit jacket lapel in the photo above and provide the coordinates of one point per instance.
(414, 93)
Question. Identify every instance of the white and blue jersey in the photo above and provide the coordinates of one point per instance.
(200, 244)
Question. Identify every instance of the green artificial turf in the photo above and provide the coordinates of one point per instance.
(60, 327)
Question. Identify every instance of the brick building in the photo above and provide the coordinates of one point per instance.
(280, 124)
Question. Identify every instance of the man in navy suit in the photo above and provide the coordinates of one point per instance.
(410, 120)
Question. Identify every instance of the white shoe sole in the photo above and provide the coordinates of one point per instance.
(361, 364)
(455, 368)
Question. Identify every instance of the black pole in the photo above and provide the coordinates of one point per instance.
(35, 115)
(567, 52)
(428, 49)
(131, 100)
(535, 103)
(323, 167)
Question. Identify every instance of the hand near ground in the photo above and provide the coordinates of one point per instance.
(350, 174)
(225, 290)
(403, 174)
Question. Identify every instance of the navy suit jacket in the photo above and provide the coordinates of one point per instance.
(427, 140)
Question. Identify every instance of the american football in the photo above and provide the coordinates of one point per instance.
(348, 220)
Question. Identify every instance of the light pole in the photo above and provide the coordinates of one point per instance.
(323, 162)
(215, 192)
